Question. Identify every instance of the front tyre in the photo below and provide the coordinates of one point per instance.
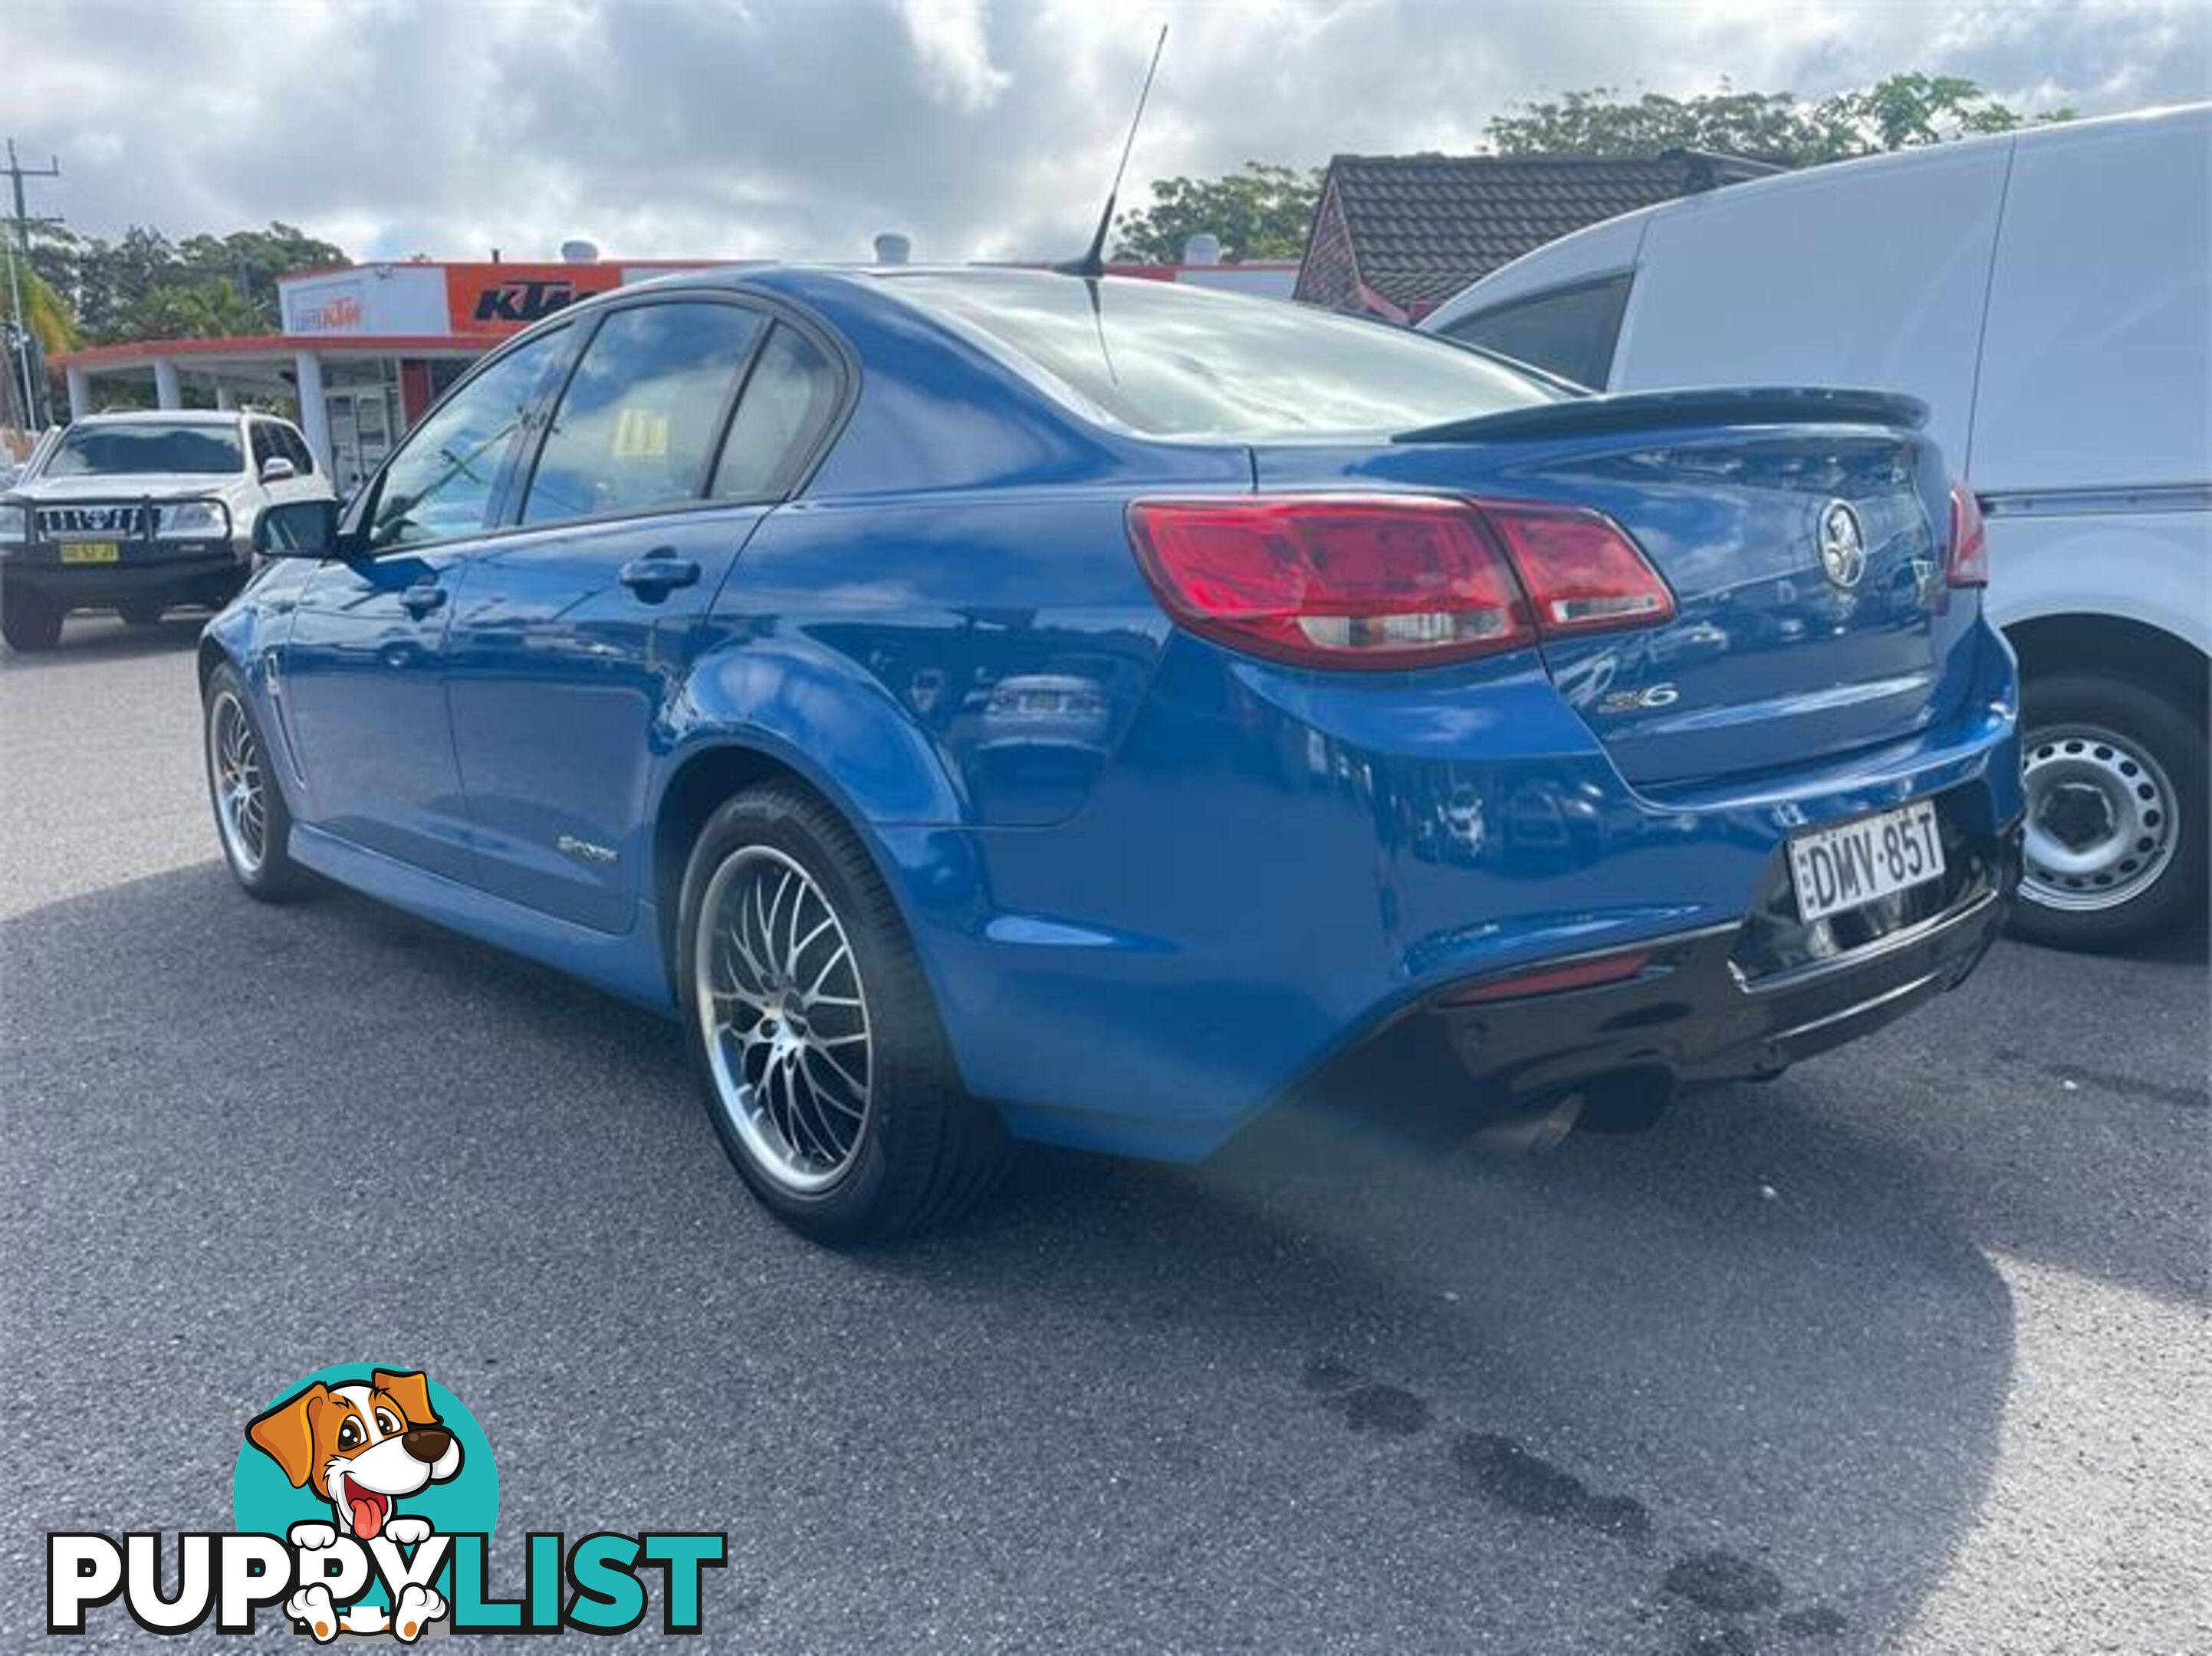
(250, 817)
(2115, 849)
(813, 1033)
(29, 620)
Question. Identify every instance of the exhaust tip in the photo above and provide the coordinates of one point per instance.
(1531, 1132)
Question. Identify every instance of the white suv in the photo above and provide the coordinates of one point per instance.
(2046, 293)
(142, 512)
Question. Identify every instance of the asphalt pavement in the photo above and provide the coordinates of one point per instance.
(1907, 1349)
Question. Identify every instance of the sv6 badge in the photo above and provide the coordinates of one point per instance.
(1629, 701)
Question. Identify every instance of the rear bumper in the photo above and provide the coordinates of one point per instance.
(1694, 1016)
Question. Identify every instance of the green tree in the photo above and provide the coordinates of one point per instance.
(1894, 113)
(1259, 211)
(252, 260)
(44, 314)
(1600, 122)
(1912, 109)
(199, 310)
(143, 285)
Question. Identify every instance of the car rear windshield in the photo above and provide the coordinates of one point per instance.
(143, 445)
(1174, 361)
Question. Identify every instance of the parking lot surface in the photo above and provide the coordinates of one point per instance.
(1905, 1350)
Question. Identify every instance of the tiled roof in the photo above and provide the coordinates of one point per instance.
(1423, 227)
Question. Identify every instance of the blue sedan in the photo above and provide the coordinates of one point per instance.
(986, 706)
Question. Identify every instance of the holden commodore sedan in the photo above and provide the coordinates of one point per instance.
(986, 706)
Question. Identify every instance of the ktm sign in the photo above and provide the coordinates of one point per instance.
(500, 298)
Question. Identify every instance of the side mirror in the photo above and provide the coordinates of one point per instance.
(278, 469)
(298, 529)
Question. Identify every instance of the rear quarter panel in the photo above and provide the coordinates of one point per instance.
(970, 658)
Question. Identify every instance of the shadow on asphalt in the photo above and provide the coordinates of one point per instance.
(1743, 1373)
(94, 638)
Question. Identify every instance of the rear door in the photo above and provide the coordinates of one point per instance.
(571, 637)
(360, 688)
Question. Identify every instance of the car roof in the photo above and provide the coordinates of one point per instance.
(164, 416)
(779, 276)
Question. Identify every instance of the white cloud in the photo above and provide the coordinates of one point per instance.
(951, 39)
(797, 127)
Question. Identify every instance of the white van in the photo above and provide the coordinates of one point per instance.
(2046, 293)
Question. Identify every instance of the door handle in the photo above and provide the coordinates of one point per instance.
(420, 599)
(658, 572)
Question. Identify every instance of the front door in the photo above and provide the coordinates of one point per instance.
(573, 631)
(362, 678)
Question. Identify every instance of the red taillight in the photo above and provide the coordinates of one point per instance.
(1335, 580)
(1582, 574)
(1969, 562)
(1554, 980)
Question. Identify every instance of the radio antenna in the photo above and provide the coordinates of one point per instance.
(1092, 265)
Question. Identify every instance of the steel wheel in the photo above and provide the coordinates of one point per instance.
(241, 803)
(2102, 820)
(784, 1015)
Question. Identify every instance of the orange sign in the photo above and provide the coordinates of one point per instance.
(500, 298)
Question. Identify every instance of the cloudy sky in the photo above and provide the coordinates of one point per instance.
(797, 127)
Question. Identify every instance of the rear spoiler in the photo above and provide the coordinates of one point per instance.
(1658, 410)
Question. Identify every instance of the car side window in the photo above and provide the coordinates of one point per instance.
(264, 444)
(439, 484)
(635, 427)
(789, 396)
(294, 449)
(1568, 332)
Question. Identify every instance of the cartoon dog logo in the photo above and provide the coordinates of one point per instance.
(362, 1448)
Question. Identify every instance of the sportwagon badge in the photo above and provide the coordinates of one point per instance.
(1843, 545)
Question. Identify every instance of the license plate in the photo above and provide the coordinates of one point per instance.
(92, 552)
(1841, 868)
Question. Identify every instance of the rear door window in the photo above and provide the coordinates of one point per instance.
(636, 424)
(1570, 331)
(788, 399)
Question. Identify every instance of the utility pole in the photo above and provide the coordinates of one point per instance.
(19, 253)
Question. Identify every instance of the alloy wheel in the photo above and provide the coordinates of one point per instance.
(785, 1014)
(234, 764)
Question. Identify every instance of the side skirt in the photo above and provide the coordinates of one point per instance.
(628, 964)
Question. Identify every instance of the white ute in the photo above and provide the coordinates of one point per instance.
(142, 512)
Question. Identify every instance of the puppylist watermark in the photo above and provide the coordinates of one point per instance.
(365, 1500)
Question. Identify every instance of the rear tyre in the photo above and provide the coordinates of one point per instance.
(250, 817)
(141, 613)
(2116, 848)
(29, 620)
(813, 1033)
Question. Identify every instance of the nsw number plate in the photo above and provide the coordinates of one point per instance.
(91, 552)
(1841, 868)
